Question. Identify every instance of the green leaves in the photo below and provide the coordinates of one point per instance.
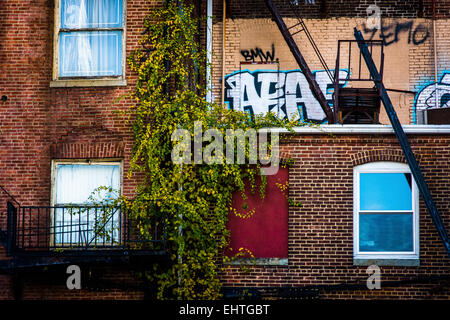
(194, 199)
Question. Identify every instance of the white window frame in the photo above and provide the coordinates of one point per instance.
(384, 167)
(88, 81)
(54, 174)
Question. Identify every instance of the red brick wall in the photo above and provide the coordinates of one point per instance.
(320, 233)
(39, 123)
(97, 283)
(339, 8)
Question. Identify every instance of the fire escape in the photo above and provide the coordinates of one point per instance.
(360, 103)
(52, 236)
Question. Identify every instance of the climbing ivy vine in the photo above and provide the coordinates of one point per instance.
(194, 199)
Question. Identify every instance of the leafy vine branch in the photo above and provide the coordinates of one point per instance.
(194, 199)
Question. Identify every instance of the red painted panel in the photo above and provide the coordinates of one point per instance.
(265, 233)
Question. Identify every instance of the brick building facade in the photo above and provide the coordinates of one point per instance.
(320, 235)
(41, 122)
(45, 120)
(321, 250)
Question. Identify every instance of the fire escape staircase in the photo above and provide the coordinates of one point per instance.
(373, 96)
(33, 239)
(288, 33)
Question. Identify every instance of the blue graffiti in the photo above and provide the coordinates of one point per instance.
(432, 95)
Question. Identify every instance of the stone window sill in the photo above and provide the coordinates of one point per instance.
(412, 262)
(260, 261)
(88, 83)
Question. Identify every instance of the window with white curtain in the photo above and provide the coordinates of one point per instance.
(78, 189)
(90, 38)
(386, 224)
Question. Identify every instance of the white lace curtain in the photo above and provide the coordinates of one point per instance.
(90, 52)
(75, 184)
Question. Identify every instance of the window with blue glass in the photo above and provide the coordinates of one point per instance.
(90, 38)
(386, 214)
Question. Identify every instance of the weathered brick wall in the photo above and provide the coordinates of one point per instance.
(97, 283)
(326, 8)
(340, 8)
(39, 123)
(442, 8)
(320, 233)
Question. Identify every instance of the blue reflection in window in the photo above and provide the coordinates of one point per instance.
(385, 232)
(385, 191)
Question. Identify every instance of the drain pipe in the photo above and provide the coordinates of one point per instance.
(436, 102)
(224, 25)
(209, 41)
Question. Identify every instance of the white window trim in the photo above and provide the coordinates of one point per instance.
(384, 167)
(54, 168)
(106, 81)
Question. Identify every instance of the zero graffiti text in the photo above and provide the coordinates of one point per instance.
(417, 34)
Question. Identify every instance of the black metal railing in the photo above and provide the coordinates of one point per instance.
(80, 227)
(360, 102)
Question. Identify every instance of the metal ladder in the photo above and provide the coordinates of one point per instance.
(401, 136)
(288, 37)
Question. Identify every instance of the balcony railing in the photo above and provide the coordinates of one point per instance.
(77, 228)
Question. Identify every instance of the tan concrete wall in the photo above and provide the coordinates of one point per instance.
(408, 63)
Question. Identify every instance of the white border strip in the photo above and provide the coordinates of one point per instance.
(365, 129)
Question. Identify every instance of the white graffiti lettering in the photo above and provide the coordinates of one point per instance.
(286, 93)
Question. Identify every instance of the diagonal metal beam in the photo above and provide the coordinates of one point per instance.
(313, 85)
(401, 136)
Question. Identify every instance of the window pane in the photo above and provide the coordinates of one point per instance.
(385, 191)
(386, 232)
(91, 13)
(96, 53)
(86, 226)
(76, 182)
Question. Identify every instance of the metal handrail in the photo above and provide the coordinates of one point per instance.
(44, 228)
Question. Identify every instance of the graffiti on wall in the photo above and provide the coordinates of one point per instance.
(286, 93)
(258, 53)
(306, 2)
(427, 96)
(392, 32)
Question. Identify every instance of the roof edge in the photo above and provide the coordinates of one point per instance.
(364, 129)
